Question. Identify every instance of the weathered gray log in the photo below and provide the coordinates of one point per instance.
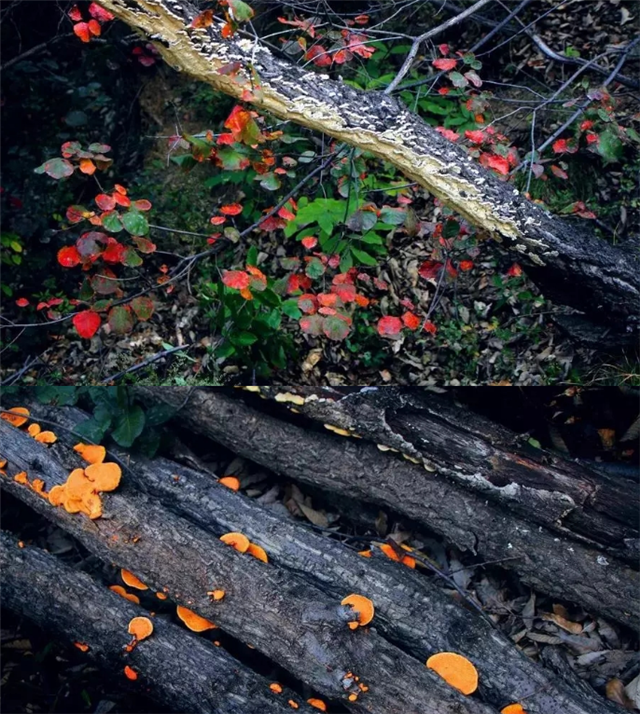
(183, 671)
(598, 509)
(410, 610)
(552, 564)
(288, 620)
(590, 274)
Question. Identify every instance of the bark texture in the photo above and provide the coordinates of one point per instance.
(591, 275)
(595, 508)
(411, 610)
(553, 564)
(184, 671)
(285, 617)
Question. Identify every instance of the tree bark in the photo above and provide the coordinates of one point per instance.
(184, 671)
(590, 274)
(287, 619)
(411, 610)
(552, 564)
(595, 508)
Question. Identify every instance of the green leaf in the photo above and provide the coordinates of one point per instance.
(129, 426)
(92, 430)
(243, 338)
(252, 256)
(241, 11)
(135, 223)
(335, 328)
(56, 168)
(160, 413)
(111, 222)
(609, 146)
(457, 79)
(363, 257)
(326, 223)
(290, 309)
(270, 181)
(57, 396)
(451, 229)
(315, 268)
(131, 259)
(120, 320)
(143, 307)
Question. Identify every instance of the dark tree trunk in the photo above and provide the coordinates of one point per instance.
(551, 562)
(182, 670)
(583, 271)
(289, 620)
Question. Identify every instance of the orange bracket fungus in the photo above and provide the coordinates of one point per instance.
(119, 590)
(391, 553)
(91, 453)
(216, 594)
(16, 416)
(131, 580)
(362, 606)
(513, 709)
(230, 482)
(130, 673)
(161, 596)
(105, 477)
(257, 552)
(456, 670)
(275, 688)
(238, 541)
(82, 646)
(293, 704)
(46, 437)
(21, 478)
(34, 429)
(193, 621)
(140, 628)
(318, 704)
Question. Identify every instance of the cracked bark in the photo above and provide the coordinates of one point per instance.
(285, 617)
(546, 560)
(579, 269)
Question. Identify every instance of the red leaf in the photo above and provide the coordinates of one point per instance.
(105, 202)
(204, 19)
(69, 257)
(498, 163)
(560, 146)
(99, 13)
(444, 49)
(285, 213)
(345, 291)
(309, 242)
(318, 55)
(514, 271)
(237, 279)
(586, 124)
(389, 326)
(87, 167)
(307, 303)
(94, 27)
(122, 200)
(411, 321)
(430, 269)
(444, 64)
(312, 324)
(361, 19)
(430, 327)
(232, 209)
(82, 31)
(476, 136)
(142, 204)
(298, 281)
(447, 133)
(22, 302)
(75, 214)
(86, 323)
(465, 265)
(120, 189)
(557, 171)
(75, 14)
(114, 251)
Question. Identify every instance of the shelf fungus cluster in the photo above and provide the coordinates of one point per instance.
(242, 544)
(362, 607)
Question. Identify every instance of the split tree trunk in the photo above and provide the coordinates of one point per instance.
(553, 564)
(581, 270)
(410, 609)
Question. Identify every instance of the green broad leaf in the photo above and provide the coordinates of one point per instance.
(609, 146)
(315, 268)
(149, 442)
(371, 238)
(120, 320)
(270, 181)
(240, 10)
(346, 261)
(457, 79)
(129, 426)
(335, 328)
(434, 108)
(57, 396)
(186, 161)
(56, 168)
(363, 257)
(160, 413)
(135, 223)
(143, 307)
(451, 229)
(290, 309)
(535, 443)
(326, 223)
(306, 157)
(131, 259)
(243, 338)
(394, 216)
(252, 256)
(226, 349)
(111, 222)
(93, 430)
(97, 148)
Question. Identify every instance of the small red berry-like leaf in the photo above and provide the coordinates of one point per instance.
(105, 202)
(444, 49)
(497, 163)
(143, 307)
(307, 303)
(309, 242)
(22, 302)
(444, 64)
(204, 19)
(120, 189)
(114, 252)
(218, 220)
(94, 27)
(237, 279)
(430, 269)
(345, 291)
(87, 167)
(465, 265)
(86, 323)
(361, 19)
(75, 214)
(75, 14)
(476, 136)
(411, 321)
(82, 31)
(232, 209)
(318, 55)
(560, 146)
(389, 326)
(122, 200)
(142, 204)
(557, 171)
(430, 327)
(448, 133)
(69, 257)
(312, 324)
(99, 13)
(514, 271)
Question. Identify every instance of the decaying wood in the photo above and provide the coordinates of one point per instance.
(410, 609)
(598, 509)
(285, 617)
(586, 272)
(179, 669)
(552, 564)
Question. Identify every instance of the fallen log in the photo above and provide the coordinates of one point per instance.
(76, 608)
(548, 562)
(597, 509)
(290, 621)
(573, 264)
(411, 611)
